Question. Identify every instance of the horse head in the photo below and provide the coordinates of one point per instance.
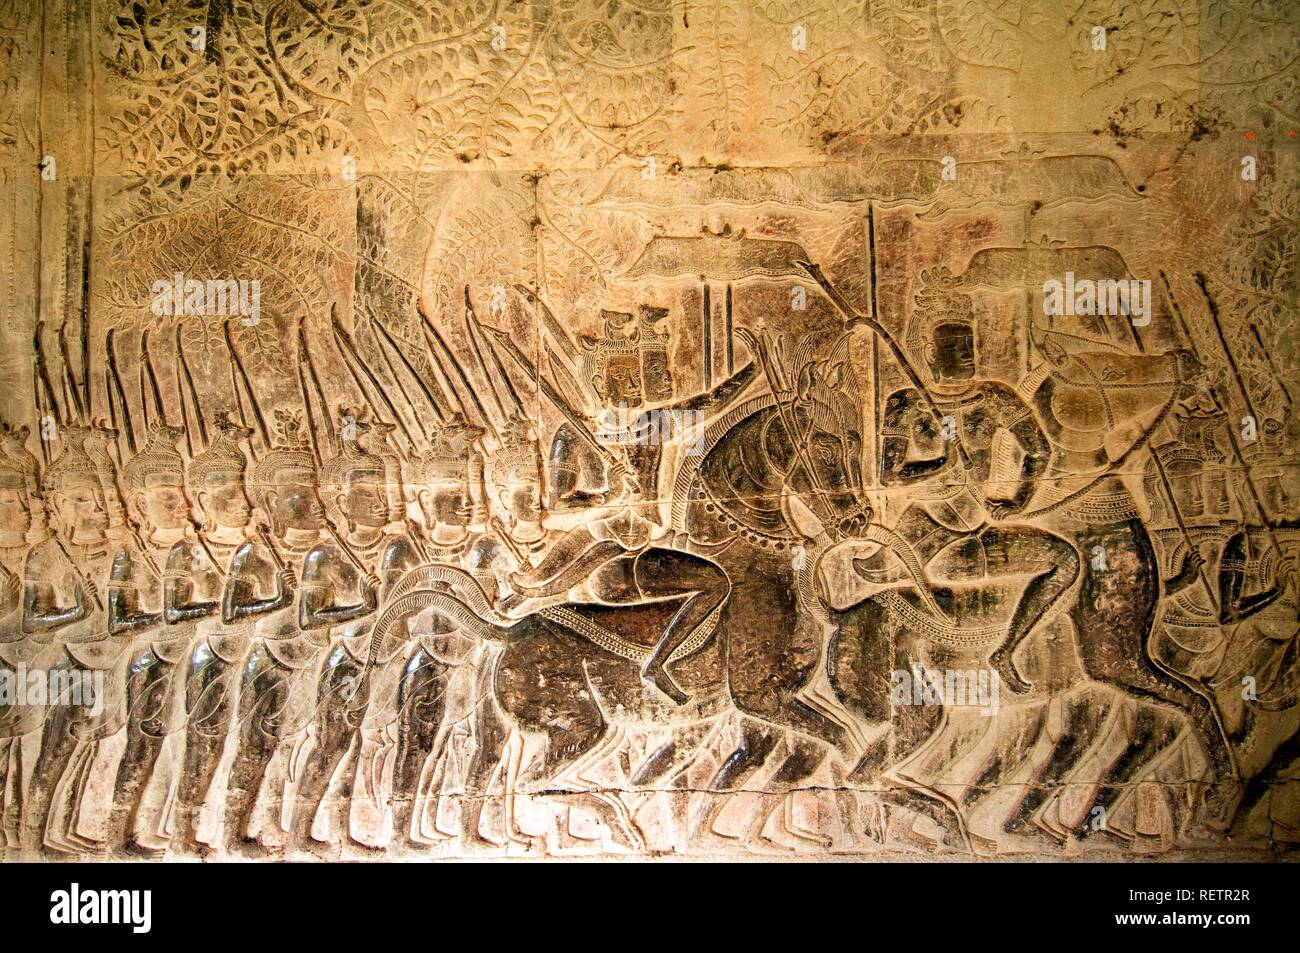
(804, 445)
(815, 440)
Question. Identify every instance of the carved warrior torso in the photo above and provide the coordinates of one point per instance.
(287, 644)
(981, 418)
(204, 567)
(138, 574)
(328, 569)
(86, 641)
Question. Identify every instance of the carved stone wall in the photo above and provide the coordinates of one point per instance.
(661, 427)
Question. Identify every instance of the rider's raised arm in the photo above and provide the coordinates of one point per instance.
(903, 421)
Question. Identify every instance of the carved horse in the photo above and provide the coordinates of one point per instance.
(774, 473)
(1099, 407)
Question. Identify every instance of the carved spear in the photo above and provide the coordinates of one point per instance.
(853, 319)
(475, 328)
(1232, 433)
(305, 353)
(74, 388)
(549, 392)
(237, 367)
(478, 356)
(146, 366)
(40, 377)
(349, 350)
(437, 350)
(419, 380)
(184, 383)
(117, 390)
(549, 322)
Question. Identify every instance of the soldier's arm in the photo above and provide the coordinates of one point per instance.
(570, 454)
(179, 604)
(900, 418)
(42, 613)
(124, 612)
(239, 599)
(317, 606)
(1028, 432)
(1189, 570)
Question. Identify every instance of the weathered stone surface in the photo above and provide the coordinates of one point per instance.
(434, 430)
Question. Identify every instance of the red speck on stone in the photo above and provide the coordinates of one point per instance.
(1250, 135)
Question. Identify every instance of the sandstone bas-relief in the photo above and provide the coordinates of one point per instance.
(576, 428)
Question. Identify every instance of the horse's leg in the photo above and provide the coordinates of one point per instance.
(1058, 564)
(770, 654)
(541, 681)
(1114, 618)
(667, 573)
(491, 732)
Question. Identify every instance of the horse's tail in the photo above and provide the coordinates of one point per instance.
(454, 592)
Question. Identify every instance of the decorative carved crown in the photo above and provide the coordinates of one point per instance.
(355, 453)
(158, 458)
(654, 325)
(223, 458)
(18, 467)
(73, 468)
(451, 446)
(290, 457)
(519, 453)
(937, 301)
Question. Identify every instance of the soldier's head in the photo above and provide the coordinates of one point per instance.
(17, 481)
(354, 483)
(75, 493)
(154, 482)
(942, 327)
(614, 362)
(445, 475)
(285, 480)
(950, 353)
(216, 477)
(517, 472)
